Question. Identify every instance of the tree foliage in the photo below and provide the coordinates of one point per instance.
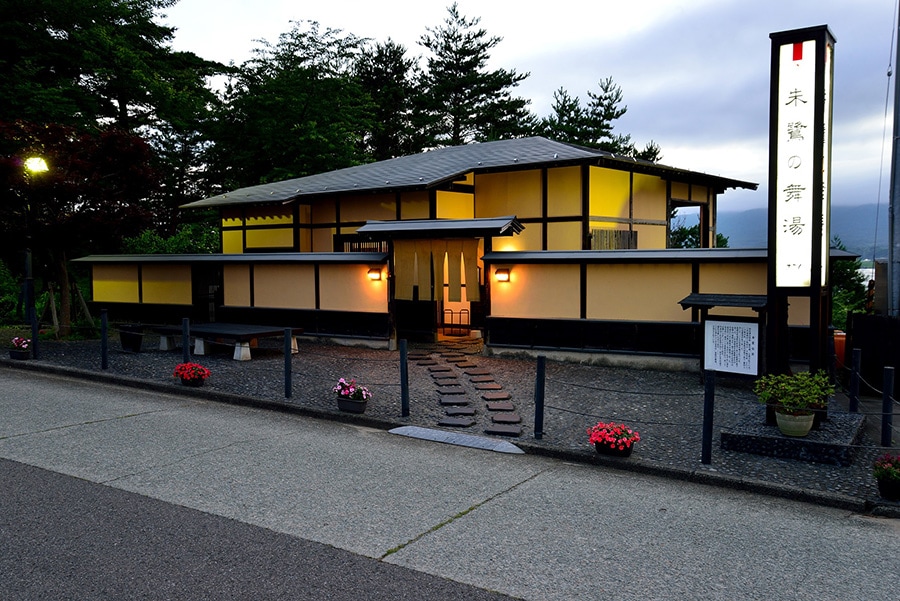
(592, 125)
(295, 109)
(848, 287)
(688, 236)
(464, 100)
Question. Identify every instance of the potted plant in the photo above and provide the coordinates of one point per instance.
(887, 474)
(351, 397)
(20, 348)
(795, 398)
(613, 439)
(191, 374)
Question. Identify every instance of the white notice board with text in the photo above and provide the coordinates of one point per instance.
(731, 347)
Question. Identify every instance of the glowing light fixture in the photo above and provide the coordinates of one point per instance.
(375, 274)
(36, 165)
(502, 275)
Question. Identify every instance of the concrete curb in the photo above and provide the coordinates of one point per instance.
(699, 476)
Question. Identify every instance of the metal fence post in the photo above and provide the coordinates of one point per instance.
(104, 343)
(854, 381)
(185, 340)
(288, 385)
(887, 407)
(539, 380)
(709, 397)
(404, 380)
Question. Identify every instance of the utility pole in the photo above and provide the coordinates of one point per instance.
(894, 209)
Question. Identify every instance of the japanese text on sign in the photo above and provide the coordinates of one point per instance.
(731, 347)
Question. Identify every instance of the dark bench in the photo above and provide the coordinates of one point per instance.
(241, 334)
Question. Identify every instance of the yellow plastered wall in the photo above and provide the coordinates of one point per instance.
(284, 286)
(455, 205)
(735, 278)
(269, 215)
(732, 278)
(236, 285)
(681, 191)
(232, 217)
(348, 288)
(115, 283)
(610, 194)
(564, 192)
(564, 236)
(798, 310)
(271, 238)
(324, 211)
(414, 205)
(232, 241)
(166, 284)
(381, 207)
(517, 193)
(639, 292)
(651, 236)
(537, 292)
(650, 199)
(529, 238)
(323, 240)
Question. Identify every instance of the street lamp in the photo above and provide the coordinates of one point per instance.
(33, 166)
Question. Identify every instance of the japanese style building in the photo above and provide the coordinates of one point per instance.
(533, 243)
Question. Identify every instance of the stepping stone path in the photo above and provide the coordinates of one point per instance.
(459, 380)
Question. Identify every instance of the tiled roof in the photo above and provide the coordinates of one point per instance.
(435, 167)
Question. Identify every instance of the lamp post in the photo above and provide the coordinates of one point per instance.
(33, 166)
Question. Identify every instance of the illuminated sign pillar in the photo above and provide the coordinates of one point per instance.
(799, 189)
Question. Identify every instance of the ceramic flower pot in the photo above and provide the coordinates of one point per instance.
(605, 449)
(19, 354)
(794, 425)
(889, 489)
(193, 382)
(351, 405)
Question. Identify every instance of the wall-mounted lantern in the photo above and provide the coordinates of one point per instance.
(502, 275)
(375, 274)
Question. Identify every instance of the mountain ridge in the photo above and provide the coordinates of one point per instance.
(854, 225)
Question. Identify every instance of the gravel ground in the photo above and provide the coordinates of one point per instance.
(665, 407)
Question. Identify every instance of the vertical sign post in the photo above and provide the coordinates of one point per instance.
(799, 187)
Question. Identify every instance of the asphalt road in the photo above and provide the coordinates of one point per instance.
(115, 493)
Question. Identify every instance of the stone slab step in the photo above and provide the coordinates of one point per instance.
(488, 386)
(440, 368)
(418, 356)
(457, 422)
(453, 400)
(501, 406)
(444, 376)
(481, 379)
(460, 359)
(506, 418)
(447, 382)
(451, 354)
(466, 365)
(426, 362)
(499, 395)
(458, 411)
(477, 371)
(504, 430)
(453, 390)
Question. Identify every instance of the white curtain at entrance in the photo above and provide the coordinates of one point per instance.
(414, 261)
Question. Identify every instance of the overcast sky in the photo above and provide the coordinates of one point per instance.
(694, 73)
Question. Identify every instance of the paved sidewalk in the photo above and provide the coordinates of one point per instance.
(271, 483)
(455, 388)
